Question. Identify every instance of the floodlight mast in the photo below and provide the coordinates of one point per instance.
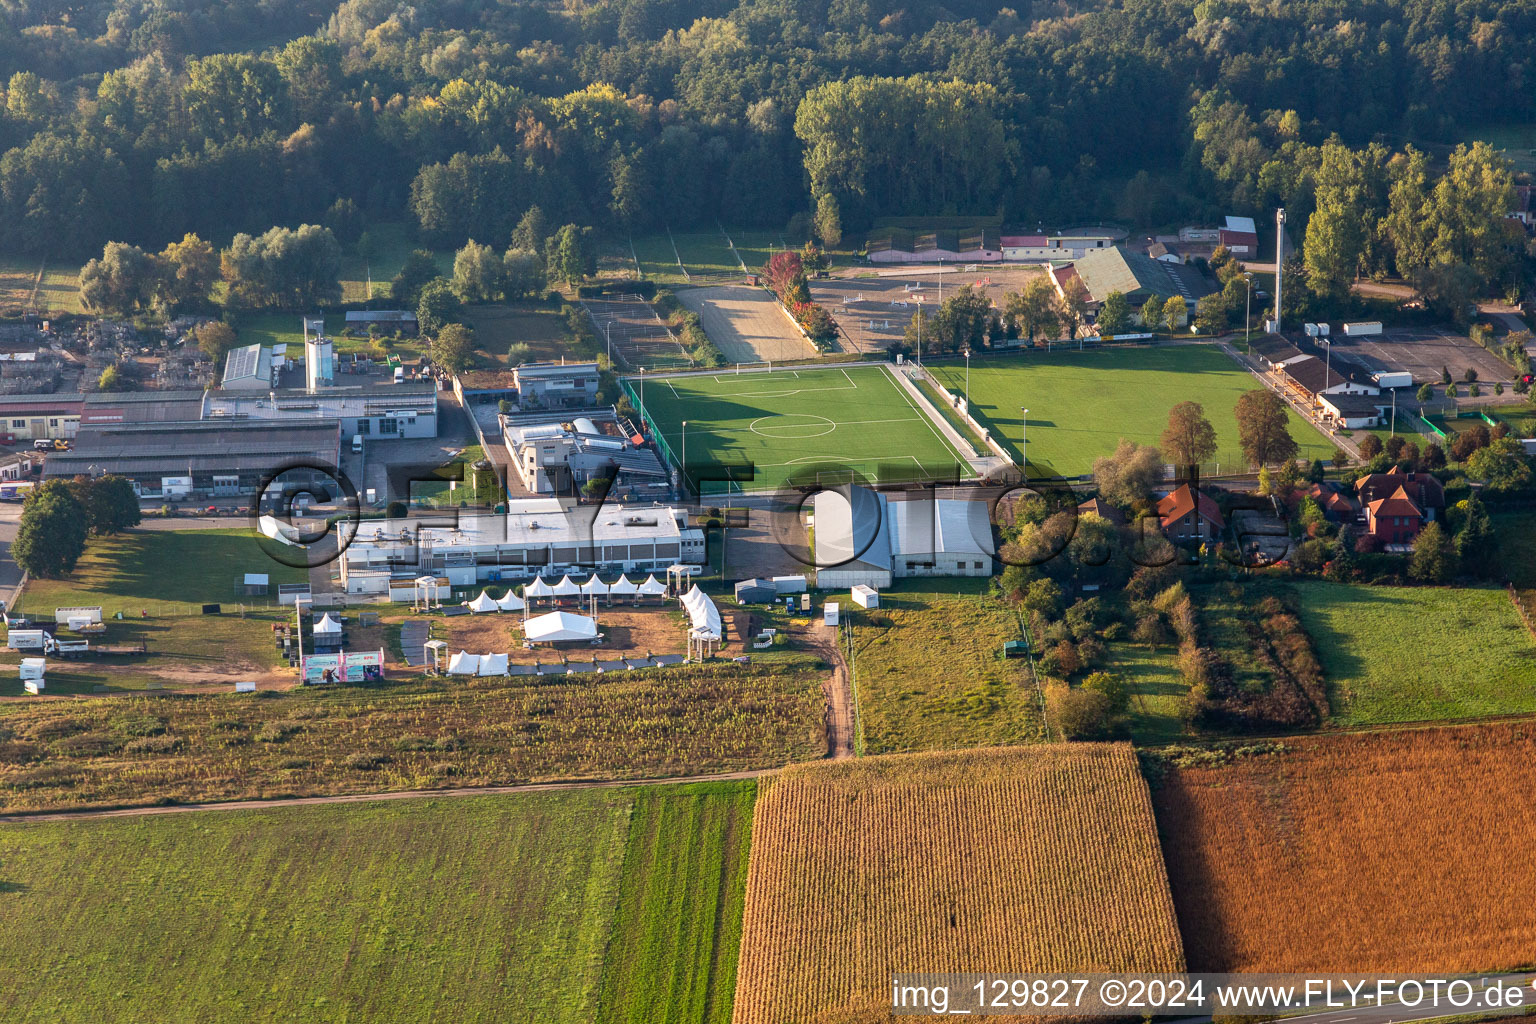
(1279, 259)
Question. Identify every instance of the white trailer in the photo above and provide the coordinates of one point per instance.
(865, 596)
(1393, 379)
(829, 613)
(1361, 328)
(32, 671)
(789, 584)
(26, 639)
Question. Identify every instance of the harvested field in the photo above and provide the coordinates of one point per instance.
(746, 323)
(1376, 852)
(414, 734)
(1013, 859)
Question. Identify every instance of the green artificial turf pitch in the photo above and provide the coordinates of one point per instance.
(1082, 403)
(796, 426)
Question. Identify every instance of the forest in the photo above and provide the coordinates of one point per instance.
(144, 121)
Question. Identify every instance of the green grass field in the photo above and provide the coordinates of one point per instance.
(931, 675)
(1517, 141)
(1157, 691)
(788, 422)
(1082, 403)
(528, 907)
(169, 574)
(391, 243)
(673, 947)
(1406, 654)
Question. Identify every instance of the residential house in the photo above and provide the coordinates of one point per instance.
(1188, 515)
(1525, 211)
(1160, 252)
(1336, 505)
(1398, 504)
(1103, 509)
(559, 385)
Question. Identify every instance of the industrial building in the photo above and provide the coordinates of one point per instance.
(186, 459)
(1135, 275)
(869, 537)
(536, 536)
(373, 408)
(34, 417)
(555, 458)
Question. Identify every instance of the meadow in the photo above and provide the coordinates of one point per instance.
(675, 938)
(523, 907)
(1406, 654)
(1372, 852)
(787, 423)
(1082, 403)
(931, 675)
(159, 580)
(412, 733)
(1041, 859)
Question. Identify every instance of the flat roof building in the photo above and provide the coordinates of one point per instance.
(867, 537)
(198, 458)
(537, 536)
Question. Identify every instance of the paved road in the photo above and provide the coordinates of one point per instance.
(360, 798)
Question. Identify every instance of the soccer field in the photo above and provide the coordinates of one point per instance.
(790, 424)
(1082, 403)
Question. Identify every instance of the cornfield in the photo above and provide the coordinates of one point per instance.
(1013, 859)
(1376, 852)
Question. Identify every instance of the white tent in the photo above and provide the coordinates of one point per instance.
(622, 587)
(556, 626)
(594, 586)
(464, 664)
(652, 587)
(510, 602)
(327, 626)
(565, 588)
(538, 588)
(484, 603)
(493, 664)
(702, 614)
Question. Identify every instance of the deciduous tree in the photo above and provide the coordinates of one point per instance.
(1263, 428)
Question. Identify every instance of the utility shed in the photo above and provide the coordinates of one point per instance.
(756, 591)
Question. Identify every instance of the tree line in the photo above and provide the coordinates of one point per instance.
(152, 120)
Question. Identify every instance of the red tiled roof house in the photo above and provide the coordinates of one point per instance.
(1398, 504)
(1184, 518)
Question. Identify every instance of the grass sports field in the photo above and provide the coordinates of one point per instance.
(787, 423)
(1082, 403)
(528, 907)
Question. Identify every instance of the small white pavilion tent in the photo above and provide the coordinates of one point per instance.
(493, 664)
(554, 627)
(652, 587)
(704, 621)
(538, 588)
(484, 603)
(594, 586)
(565, 588)
(463, 664)
(510, 602)
(327, 626)
(623, 587)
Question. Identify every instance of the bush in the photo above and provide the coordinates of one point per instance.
(88, 744)
(155, 745)
(361, 762)
(1078, 713)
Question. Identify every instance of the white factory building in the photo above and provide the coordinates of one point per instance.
(872, 537)
(537, 536)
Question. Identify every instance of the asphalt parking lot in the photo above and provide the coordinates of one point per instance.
(1424, 352)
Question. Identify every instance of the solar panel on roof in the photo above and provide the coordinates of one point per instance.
(242, 362)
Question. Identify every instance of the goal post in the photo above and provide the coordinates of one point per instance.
(764, 366)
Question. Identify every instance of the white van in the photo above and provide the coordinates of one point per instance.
(357, 444)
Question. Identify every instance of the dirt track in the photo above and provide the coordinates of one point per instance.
(745, 323)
